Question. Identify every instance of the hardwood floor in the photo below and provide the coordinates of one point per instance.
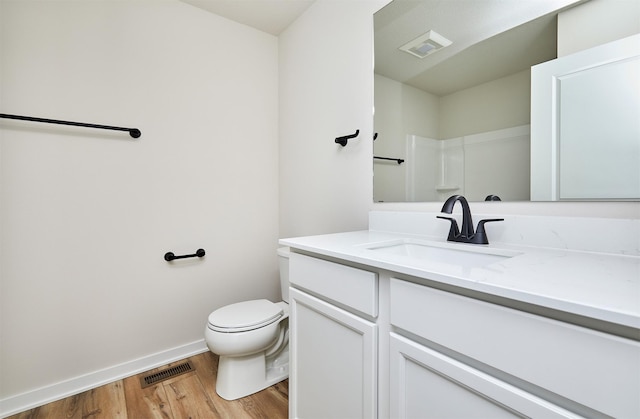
(191, 395)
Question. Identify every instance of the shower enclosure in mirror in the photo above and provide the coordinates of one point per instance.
(460, 116)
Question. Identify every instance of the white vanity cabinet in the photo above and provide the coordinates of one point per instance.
(367, 342)
(333, 340)
(462, 357)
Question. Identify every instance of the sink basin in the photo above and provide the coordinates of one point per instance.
(452, 254)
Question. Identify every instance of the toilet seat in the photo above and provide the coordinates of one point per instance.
(244, 316)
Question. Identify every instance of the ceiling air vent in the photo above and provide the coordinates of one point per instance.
(426, 44)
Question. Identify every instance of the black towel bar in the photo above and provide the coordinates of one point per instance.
(400, 161)
(169, 256)
(133, 132)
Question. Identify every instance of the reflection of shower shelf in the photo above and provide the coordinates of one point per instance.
(444, 188)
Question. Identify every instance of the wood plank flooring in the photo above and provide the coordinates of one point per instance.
(190, 395)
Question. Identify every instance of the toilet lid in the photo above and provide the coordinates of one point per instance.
(247, 315)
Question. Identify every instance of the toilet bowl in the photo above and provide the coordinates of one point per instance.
(252, 341)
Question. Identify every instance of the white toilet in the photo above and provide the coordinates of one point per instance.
(252, 340)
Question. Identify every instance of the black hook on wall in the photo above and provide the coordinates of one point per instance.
(169, 256)
(343, 140)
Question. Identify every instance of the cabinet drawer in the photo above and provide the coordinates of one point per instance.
(428, 384)
(352, 287)
(591, 368)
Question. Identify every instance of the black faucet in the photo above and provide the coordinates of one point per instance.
(467, 235)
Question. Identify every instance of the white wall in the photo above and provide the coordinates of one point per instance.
(87, 215)
(326, 91)
(400, 110)
(498, 104)
(597, 22)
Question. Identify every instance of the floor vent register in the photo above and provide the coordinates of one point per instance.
(156, 377)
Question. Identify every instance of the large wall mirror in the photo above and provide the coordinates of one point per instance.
(453, 97)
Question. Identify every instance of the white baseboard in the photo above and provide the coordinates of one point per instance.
(29, 400)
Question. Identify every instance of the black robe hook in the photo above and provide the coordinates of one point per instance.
(343, 140)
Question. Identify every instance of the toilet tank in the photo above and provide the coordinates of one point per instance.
(283, 264)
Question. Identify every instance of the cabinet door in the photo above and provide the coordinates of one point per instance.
(333, 361)
(427, 384)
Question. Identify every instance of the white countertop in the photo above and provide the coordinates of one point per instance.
(595, 285)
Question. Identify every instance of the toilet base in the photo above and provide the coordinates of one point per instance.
(244, 375)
